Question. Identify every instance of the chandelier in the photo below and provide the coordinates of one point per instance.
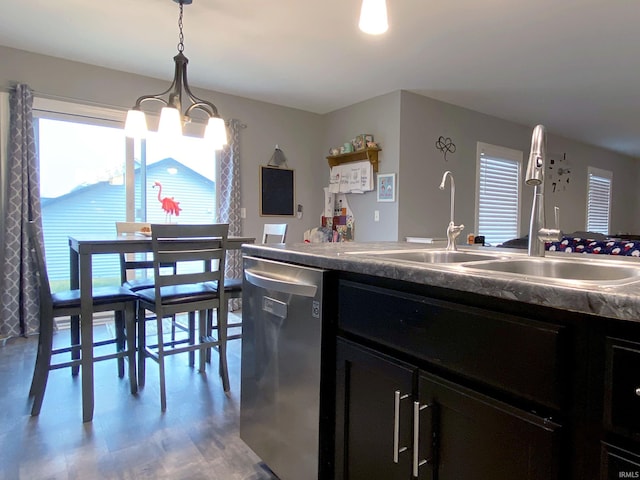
(171, 117)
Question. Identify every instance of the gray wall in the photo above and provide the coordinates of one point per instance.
(298, 133)
(405, 124)
(379, 116)
(424, 209)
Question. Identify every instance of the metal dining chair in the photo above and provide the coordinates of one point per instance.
(67, 303)
(199, 253)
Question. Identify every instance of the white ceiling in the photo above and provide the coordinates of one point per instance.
(569, 64)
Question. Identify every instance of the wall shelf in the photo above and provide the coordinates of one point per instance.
(370, 154)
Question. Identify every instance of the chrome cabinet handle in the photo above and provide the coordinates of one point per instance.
(397, 450)
(638, 391)
(417, 463)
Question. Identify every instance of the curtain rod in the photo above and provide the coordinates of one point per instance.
(241, 125)
(96, 104)
(61, 98)
(50, 96)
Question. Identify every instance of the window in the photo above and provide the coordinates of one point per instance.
(91, 176)
(598, 200)
(498, 193)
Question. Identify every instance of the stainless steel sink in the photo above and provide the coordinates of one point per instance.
(553, 269)
(429, 256)
(575, 271)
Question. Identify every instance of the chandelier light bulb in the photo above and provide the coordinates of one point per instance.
(170, 125)
(136, 124)
(216, 132)
(373, 17)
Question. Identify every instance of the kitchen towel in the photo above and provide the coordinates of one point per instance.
(334, 179)
(360, 177)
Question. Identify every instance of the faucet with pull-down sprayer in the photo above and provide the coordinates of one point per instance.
(538, 233)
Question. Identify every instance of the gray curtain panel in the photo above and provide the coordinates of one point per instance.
(229, 207)
(19, 314)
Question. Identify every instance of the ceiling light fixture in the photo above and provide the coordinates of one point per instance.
(373, 17)
(171, 117)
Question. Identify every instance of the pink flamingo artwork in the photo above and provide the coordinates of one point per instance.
(169, 205)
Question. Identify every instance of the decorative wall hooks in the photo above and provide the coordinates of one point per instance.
(445, 145)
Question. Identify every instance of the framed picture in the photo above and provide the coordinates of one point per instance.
(277, 191)
(360, 142)
(386, 187)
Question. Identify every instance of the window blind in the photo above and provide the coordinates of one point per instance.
(599, 201)
(498, 199)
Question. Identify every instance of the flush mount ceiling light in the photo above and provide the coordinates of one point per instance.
(373, 17)
(171, 117)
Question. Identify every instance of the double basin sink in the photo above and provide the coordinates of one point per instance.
(557, 270)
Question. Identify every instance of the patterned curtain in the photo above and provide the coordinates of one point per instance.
(229, 205)
(19, 314)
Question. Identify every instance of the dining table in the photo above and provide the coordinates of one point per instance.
(82, 248)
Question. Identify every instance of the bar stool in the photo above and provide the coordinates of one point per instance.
(199, 253)
(67, 303)
(272, 233)
(131, 265)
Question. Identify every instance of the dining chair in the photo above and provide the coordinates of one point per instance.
(67, 303)
(133, 264)
(272, 233)
(199, 253)
(136, 270)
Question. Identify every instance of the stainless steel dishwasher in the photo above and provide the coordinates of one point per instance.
(281, 365)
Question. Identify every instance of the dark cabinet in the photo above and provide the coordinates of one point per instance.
(373, 415)
(395, 421)
(523, 357)
(463, 434)
(622, 387)
(618, 463)
(620, 457)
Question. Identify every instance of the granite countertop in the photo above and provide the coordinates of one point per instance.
(621, 301)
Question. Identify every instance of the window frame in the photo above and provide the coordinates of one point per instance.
(54, 109)
(608, 176)
(505, 154)
(45, 108)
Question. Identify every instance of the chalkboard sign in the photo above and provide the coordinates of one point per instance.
(276, 187)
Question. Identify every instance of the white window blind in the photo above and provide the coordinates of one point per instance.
(598, 200)
(498, 199)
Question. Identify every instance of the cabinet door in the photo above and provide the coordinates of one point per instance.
(622, 387)
(463, 434)
(373, 415)
(618, 463)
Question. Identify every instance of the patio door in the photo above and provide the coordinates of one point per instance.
(91, 176)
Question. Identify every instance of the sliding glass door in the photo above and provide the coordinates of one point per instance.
(91, 176)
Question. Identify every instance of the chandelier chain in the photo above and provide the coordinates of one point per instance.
(181, 35)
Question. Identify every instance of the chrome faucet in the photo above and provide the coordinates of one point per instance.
(538, 232)
(453, 230)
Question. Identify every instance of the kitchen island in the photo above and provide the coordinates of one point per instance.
(448, 372)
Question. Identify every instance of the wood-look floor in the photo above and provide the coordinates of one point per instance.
(129, 438)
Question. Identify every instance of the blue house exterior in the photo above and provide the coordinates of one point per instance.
(95, 208)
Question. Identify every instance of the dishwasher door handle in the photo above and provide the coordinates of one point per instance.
(279, 284)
